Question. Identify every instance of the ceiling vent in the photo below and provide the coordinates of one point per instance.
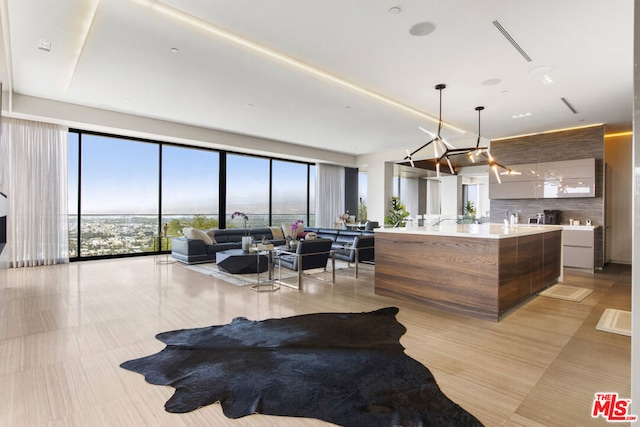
(512, 41)
(569, 106)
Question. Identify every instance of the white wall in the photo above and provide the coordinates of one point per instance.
(95, 119)
(379, 169)
(450, 196)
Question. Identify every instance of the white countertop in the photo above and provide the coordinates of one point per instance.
(483, 231)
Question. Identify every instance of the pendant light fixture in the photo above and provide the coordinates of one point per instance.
(436, 140)
(484, 151)
(448, 150)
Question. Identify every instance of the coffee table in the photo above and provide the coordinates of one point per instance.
(235, 261)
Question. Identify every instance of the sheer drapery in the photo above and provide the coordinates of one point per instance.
(329, 194)
(34, 178)
(409, 195)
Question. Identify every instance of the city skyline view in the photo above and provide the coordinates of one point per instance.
(122, 193)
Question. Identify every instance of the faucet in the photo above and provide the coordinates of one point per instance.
(445, 219)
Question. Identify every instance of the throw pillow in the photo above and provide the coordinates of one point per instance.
(195, 234)
(212, 235)
(286, 229)
(276, 232)
(311, 236)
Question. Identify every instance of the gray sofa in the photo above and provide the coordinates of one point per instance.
(192, 251)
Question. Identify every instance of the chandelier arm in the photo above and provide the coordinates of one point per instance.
(420, 148)
(450, 167)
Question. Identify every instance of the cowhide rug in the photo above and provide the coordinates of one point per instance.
(345, 368)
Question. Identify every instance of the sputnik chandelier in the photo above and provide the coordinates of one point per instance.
(449, 150)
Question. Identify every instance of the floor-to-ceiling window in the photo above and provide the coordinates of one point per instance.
(190, 189)
(289, 192)
(362, 196)
(119, 204)
(72, 200)
(125, 192)
(247, 190)
(312, 195)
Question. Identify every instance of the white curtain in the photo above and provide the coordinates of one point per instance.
(33, 164)
(409, 196)
(329, 194)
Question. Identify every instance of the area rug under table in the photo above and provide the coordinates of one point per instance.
(211, 269)
(345, 368)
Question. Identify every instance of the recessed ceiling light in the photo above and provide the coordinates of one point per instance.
(543, 73)
(249, 105)
(519, 116)
(44, 44)
(491, 82)
(422, 28)
(174, 50)
(395, 10)
(127, 99)
(541, 70)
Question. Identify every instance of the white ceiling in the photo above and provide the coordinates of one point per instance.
(116, 55)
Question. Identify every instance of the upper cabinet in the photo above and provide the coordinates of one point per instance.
(570, 178)
(522, 186)
(565, 179)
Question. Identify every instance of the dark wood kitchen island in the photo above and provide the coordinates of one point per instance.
(475, 270)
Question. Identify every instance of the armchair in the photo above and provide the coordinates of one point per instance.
(309, 254)
(360, 249)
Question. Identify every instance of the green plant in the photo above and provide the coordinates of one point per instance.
(469, 209)
(397, 214)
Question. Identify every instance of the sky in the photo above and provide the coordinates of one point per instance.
(121, 176)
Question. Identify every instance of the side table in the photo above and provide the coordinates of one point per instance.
(267, 285)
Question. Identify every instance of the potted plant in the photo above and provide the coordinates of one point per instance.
(397, 214)
(469, 211)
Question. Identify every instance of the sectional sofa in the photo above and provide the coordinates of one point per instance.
(201, 246)
(195, 248)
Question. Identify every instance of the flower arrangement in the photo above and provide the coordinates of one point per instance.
(344, 217)
(294, 228)
(240, 215)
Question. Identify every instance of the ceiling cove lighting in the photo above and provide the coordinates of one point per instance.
(449, 151)
(256, 47)
(615, 135)
(85, 26)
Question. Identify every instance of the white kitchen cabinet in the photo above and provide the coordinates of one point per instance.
(578, 247)
(549, 180)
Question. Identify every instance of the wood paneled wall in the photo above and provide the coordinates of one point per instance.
(557, 146)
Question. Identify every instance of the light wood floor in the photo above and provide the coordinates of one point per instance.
(65, 329)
